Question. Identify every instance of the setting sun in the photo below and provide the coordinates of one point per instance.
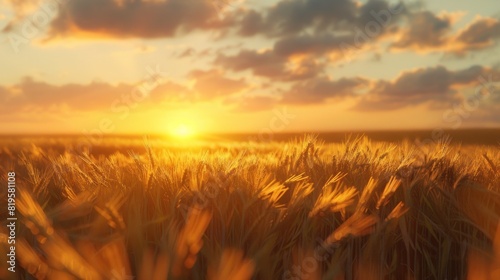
(183, 131)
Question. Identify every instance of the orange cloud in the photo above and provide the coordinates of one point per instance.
(212, 83)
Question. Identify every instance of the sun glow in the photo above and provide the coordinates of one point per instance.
(183, 131)
(186, 124)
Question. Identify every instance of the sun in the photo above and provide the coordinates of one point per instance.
(184, 125)
(183, 131)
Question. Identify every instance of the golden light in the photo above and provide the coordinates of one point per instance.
(183, 131)
(185, 124)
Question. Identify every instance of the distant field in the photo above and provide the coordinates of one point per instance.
(101, 143)
(463, 136)
(241, 207)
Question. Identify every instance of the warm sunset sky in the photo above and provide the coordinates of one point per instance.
(240, 66)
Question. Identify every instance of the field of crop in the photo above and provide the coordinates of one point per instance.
(300, 209)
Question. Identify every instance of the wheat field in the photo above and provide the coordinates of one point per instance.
(301, 209)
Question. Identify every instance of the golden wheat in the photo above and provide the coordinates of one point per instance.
(297, 210)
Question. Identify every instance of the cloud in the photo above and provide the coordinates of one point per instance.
(310, 44)
(480, 34)
(294, 17)
(322, 89)
(430, 33)
(252, 23)
(4, 93)
(253, 103)
(134, 18)
(319, 27)
(270, 64)
(291, 17)
(30, 95)
(33, 95)
(435, 86)
(171, 92)
(189, 52)
(310, 34)
(294, 58)
(168, 18)
(425, 30)
(312, 27)
(212, 84)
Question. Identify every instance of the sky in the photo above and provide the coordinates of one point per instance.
(160, 66)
